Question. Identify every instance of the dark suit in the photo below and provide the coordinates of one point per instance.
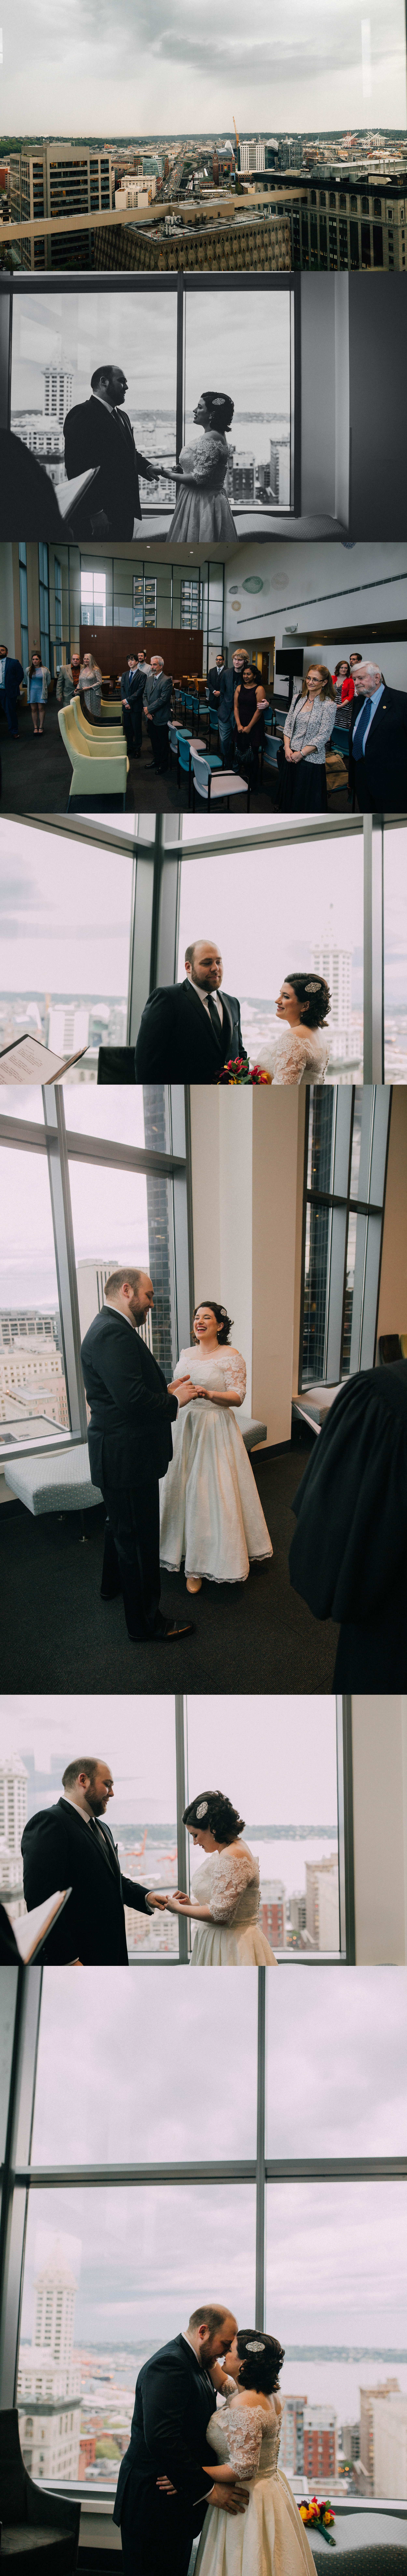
(214, 681)
(60, 1850)
(227, 728)
(380, 775)
(10, 691)
(130, 1447)
(132, 686)
(176, 1041)
(94, 435)
(173, 2403)
(27, 497)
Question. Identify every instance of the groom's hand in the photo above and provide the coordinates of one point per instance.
(183, 1388)
(166, 2487)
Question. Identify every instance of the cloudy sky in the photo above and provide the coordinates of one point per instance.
(166, 68)
(278, 1755)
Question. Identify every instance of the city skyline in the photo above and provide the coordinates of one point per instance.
(212, 71)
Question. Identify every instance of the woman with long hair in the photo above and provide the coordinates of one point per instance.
(308, 726)
(249, 707)
(38, 683)
(202, 513)
(90, 685)
(297, 1053)
(225, 1897)
(210, 1512)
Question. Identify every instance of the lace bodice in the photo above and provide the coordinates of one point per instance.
(221, 1368)
(247, 2437)
(229, 1882)
(295, 1055)
(207, 459)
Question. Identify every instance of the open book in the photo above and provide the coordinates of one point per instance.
(31, 1930)
(69, 493)
(27, 1060)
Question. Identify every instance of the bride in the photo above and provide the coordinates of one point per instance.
(210, 1512)
(297, 1053)
(245, 2433)
(226, 1893)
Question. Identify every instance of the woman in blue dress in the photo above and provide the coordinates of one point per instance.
(38, 684)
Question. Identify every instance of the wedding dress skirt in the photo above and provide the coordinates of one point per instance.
(210, 1512)
(229, 1883)
(269, 2538)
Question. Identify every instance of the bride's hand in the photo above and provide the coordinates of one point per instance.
(183, 1388)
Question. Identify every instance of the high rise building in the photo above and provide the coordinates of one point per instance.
(322, 1903)
(291, 2454)
(62, 179)
(335, 964)
(13, 1816)
(389, 2416)
(49, 2386)
(319, 2443)
(273, 1912)
(32, 1376)
(384, 2390)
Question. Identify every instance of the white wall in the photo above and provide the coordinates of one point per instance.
(244, 1190)
(379, 1751)
(392, 1313)
(304, 585)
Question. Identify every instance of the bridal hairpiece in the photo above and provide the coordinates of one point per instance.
(202, 1810)
(223, 1310)
(313, 988)
(255, 2347)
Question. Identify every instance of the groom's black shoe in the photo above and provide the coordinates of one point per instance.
(111, 1577)
(165, 1632)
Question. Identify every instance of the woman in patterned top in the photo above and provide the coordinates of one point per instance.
(202, 513)
(308, 727)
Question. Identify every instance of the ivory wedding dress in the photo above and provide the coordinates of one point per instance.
(229, 1882)
(209, 1505)
(294, 1055)
(269, 2538)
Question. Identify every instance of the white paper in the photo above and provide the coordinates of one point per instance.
(29, 1061)
(28, 1928)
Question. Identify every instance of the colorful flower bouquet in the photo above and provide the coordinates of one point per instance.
(239, 1070)
(319, 2513)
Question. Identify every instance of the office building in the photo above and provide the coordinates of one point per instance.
(390, 2445)
(32, 1378)
(13, 1817)
(336, 965)
(322, 1914)
(61, 180)
(291, 2453)
(319, 2460)
(273, 1912)
(384, 2390)
(48, 2387)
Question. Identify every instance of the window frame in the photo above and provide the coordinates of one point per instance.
(347, 1204)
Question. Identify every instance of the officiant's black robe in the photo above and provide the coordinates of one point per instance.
(173, 2402)
(348, 1558)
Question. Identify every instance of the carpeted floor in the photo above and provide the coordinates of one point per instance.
(256, 1636)
(36, 777)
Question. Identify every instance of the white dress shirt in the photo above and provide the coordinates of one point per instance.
(204, 997)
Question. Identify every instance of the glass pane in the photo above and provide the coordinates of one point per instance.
(320, 1139)
(317, 1240)
(39, 1737)
(325, 2099)
(89, 2099)
(123, 1216)
(349, 1288)
(321, 892)
(33, 1394)
(66, 942)
(8, 1999)
(278, 1765)
(135, 1115)
(19, 1102)
(395, 955)
(257, 480)
(130, 2266)
(336, 2297)
(138, 333)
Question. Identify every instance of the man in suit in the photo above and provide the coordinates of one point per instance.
(188, 1031)
(378, 743)
(157, 709)
(69, 1846)
(132, 687)
(164, 2485)
(130, 1447)
(99, 433)
(229, 682)
(11, 674)
(214, 681)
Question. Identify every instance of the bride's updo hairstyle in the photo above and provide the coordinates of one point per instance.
(315, 994)
(221, 409)
(261, 2360)
(222, 1319)
(215, 1812)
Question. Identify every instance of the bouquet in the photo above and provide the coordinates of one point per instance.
(319, 2513)
(239, 1070)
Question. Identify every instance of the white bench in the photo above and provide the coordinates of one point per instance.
(252, 1432)
(59, 1483)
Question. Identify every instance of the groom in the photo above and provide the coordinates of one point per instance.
(130, 1447)
(188, 1031)
(174, 2399)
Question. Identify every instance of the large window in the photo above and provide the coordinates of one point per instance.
(145, 2156)
(93, 597)
(260, 475)
(285, 1763)
(84, 1199)
(344, 1186)
(65, 944)
(395, 953)
(271, 914)
(73, 335)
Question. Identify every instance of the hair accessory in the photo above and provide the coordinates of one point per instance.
(202, 1810)
(223, 1310)
(255, 2347)
(313, 988)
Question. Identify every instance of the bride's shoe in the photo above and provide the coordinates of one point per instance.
(194, 1582)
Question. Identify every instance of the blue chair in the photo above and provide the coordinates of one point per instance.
(340, 742)
(269, 756)
(185, 755)
(213, 760)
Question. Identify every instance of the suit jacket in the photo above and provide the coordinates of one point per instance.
(130, 1409)
(157, 697)
(96, 436)
(214, 685)
(60, 1850)
(13, 674)
(173, 2402)
(380, 775)
(176, 1041)
(132, 685)
(229, 682)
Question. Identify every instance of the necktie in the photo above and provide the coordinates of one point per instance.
(362, 719)
(214, 1017)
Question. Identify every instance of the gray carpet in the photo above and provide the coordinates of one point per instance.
(36, 777)
(60, 1636)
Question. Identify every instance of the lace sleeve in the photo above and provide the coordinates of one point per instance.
(289, 1060)
(244, 2432)
(235, 1371)
(201, 460)
(231, 1872)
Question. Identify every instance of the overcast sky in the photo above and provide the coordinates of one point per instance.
(167, 68)
(277, 1757)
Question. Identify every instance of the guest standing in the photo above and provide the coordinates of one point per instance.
(308, 727)
(38, 684)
